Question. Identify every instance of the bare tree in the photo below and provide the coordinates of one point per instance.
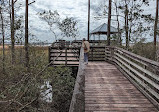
(52, 19)
(155, 27)
(117, 17)
(12, 32)
(126, 25)
(3, 35)
(88, 18)
(109, 23)
(26, 35)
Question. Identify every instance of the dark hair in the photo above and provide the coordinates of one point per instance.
(84, 39)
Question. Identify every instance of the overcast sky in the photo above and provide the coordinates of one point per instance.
(68, 8)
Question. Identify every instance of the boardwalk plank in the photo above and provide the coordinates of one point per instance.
(107, 90)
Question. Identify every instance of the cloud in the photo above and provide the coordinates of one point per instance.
(77, 9)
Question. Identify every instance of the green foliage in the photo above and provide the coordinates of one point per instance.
(68, 27)
(144, 49)
(18, 23)
(24, 88)
(62, 87)
(50, 17)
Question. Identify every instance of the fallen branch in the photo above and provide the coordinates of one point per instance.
(10, 101)
(27, 104)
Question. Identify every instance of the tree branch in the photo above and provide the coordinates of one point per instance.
(15, 1)
(31, 2)
(27, 104)
(10, 101)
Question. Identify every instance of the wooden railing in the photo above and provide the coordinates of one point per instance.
(142, 72)
(97, 53)
(68, 56)
(53, 53)
(77, 102)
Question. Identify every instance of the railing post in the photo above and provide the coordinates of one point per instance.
(112, 53)
(79, 53)
(66, 56)
(145, 67)
(49, 54)
(105, 54)
(92, 54)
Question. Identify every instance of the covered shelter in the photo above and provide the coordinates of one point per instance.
(102, 30)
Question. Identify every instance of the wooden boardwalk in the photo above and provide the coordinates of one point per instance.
(65, 57)
(107, 90)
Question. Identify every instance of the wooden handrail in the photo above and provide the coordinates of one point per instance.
(77, 102)
(66, 56)
(139, 57)
(142, 72)
(55, 58)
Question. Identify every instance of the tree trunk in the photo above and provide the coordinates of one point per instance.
(158, 53)
(126, 26)
(54, 34)
(109, 23)
(88, 18)
(26, 36)
(119, 34)
(3, 35)
(129, 35)
(10, 17)
(12, 33)
(155, 28)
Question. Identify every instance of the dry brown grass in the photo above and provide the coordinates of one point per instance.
(6, 47)
(17, 47)
(36, 48)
